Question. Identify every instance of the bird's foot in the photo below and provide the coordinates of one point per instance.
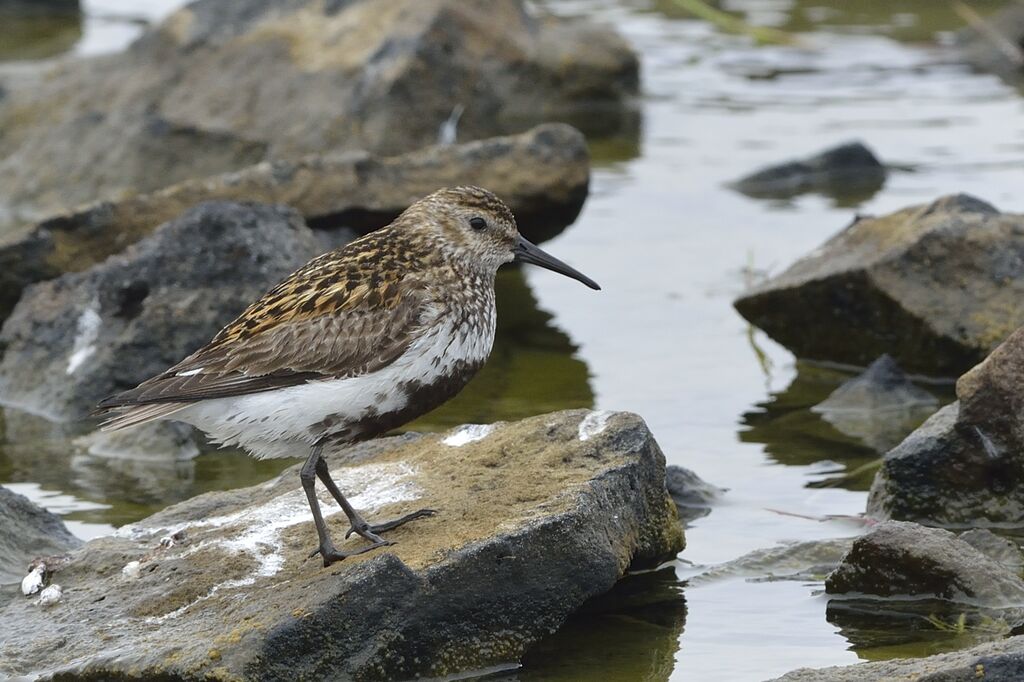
(331, 554)
(369, 531)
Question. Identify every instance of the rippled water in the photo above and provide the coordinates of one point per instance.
(672, 247)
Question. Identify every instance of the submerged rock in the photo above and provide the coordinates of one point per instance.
(542, 174)
(810, 560)
(692, 495)
(965, 465)
(906, 560)
(76, 339)
(1000, 661)
(936, 286)
(27, 532)
(878, 407)
(532, 522)
(217, 87)
(849, 172)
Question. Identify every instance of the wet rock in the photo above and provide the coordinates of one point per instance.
(907, 560)
(935, 286)
(28, 531)
(1003, 551)
(1000, 661)
(878, 407)
(542, 174)
(532, 522)
(215, 89)
(964, 465)
(849, 172)
(810, 560)
(693, 495)
(31, 29)
(1003, 56)
(76, 339)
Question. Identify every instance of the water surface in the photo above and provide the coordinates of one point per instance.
(673, 246)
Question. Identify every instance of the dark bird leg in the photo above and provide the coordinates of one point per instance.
(358, 524)
(308, 476)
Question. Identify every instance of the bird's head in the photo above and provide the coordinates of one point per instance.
(472, 224)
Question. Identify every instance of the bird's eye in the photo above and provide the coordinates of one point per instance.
(477, 223)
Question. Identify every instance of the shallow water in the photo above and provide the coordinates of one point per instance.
(673, 246)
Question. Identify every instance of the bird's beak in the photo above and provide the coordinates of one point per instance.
(530, 253)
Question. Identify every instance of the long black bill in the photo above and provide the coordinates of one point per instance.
(531, 253)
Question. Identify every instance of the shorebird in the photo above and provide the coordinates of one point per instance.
(356, 343)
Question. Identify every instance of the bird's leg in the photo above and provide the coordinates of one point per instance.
(308, 477)
(358, 524)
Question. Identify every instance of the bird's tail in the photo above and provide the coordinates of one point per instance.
(123, 416)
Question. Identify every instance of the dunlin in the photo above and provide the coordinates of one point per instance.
(354, 344)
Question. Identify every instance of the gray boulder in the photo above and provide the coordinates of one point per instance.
(935, 286)
(849, 172)
(535, 518)
(76, 339)
(542, 174)
(28, 532)
(902, 560)
(220, 86)
(879, 406)
(964, 466)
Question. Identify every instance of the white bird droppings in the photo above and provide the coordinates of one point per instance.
(132, 570)
(594, 423)
(33, 582)
(256, 531)
(85, 341)
(468, 433)
(51, 595)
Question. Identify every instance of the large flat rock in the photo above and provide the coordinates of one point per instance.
(542, 174)
(935, 286)
(535, 517)
(220, 86)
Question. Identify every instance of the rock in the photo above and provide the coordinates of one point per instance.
(532, 522)
(906, 560)
(849, 172)
(879, 407)
(937, 287)
(810, 560)
(985, 54)
(161, 441)
(964, 467)
(542, 174)
(1000, 661)
(692, 495)
(1003, 551)
(28, 531)
(215, 89)
(76, 339)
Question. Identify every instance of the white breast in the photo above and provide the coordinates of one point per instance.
(285, 422)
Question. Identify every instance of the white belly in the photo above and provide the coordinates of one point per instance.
(286, 422)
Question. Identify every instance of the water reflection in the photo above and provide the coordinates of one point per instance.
(849, 444)
(630, 634)
(27, 34)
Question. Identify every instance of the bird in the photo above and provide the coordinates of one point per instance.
(356, 343)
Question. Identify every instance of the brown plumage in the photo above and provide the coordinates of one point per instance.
(355, 343)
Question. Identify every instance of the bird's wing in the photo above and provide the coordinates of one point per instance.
(324, 321)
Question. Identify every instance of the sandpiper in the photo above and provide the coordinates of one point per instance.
(356, 343)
